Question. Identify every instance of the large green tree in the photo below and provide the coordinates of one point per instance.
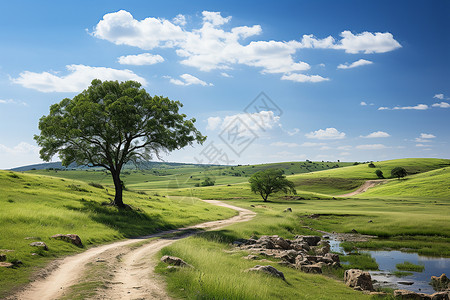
(112, 123)
(399, 172)
(270, 181)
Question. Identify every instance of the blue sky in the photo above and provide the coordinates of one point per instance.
(354, 80)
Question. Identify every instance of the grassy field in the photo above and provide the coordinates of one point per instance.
(36, 207)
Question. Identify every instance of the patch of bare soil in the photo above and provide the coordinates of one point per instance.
(364, 187)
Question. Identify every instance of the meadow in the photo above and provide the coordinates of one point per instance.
(408, 214)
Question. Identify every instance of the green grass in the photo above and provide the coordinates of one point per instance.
(359, 261)
(41, 206)
(408, 266)
(430, 185)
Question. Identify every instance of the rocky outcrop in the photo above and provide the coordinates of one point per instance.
(175, 261)
(358, 279)
(268, 270)
(40, 245)
(71, 238)
(405, 294)
(440, 283)
(294, 253)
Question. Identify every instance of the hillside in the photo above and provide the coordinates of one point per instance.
(35, 207)
(342, 180)
(432, 184)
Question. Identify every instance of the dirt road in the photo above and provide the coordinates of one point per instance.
(364, 187)
(132, 276)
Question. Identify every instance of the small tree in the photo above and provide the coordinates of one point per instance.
(398, 172)
(372, 165)
(379, 173)
(208, 182)
(112, 123)
(270, 181)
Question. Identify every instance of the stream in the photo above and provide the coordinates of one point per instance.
(387, 260)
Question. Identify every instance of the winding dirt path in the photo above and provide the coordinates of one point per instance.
(131, 269)
(364, 187)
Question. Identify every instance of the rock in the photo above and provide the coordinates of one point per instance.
(406, 282)
(445, 295)
(39, 244)
(312, 240)
(354, 231)
(314, 216)
(334, 257)
(300, 246)
(377, 294)
(370, 221)
(441, 295)
(268, 270)
(440, 283)
(72, 238)
(405, 294)
(312, 258)
(250, 257)
(315, 269)
(175, 261)
(2, 257)
(289, 256)
(6, 264)
(288, 209)
(32, 238)
(282, 243)
(356, 278)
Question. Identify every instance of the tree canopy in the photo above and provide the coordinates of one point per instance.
(398, 172)
(112, 123)
(270, 181)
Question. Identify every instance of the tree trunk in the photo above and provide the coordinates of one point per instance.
(118, 200)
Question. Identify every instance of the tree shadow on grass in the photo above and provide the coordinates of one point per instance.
(128, 222)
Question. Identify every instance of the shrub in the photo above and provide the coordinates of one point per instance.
(379, 173)
(398, 172)
(208, 182)
(97, 185)
(371, 165)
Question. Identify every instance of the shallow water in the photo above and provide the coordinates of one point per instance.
(434, 266)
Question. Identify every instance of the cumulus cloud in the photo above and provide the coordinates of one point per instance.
(427, 136)
(188, 79)
(327, 134)
(416, 107)
(358, 63)
(79, 78)
(293, 131)
(211, 47)
(439, 96)
(347, 147)
(383, 108)
(363, 103)
(283, 144)
(365, 42)
(11, 101)
(246, 124)
(376, 134)
(371, 147)
(441, 105)
(303, 78)
(19, 155)
(140, 59)
(325, 148)
(213, 123)
(421, 145)
(226, 75)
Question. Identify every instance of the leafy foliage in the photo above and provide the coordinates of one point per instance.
(399, 172)
(112, 123)
(270, 181)
(379, 173)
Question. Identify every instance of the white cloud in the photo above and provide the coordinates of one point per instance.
(427, 136)
(327, 134)
(439, 96)
(283, 144)
(344, 147)
(19, 155)
(79, 78)
(293, 132)
(371, 147)
(226, 75)
(211, 47)
(441, 105)
(179, 20)
(11, 101)
(358, 63)
(213, 123)
(310, 144)
(366, 42)
(363, 103)
(189, 79)
(325, 148)
(383, 108)
(140, 59)
(303, 78)
(377, 134)
(421, 145)
(416, 107)
(344, 154)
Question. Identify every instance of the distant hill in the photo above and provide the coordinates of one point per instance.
(73, 166)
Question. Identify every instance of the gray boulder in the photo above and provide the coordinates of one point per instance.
(40, 245)
(358, 279)
(268, 270)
